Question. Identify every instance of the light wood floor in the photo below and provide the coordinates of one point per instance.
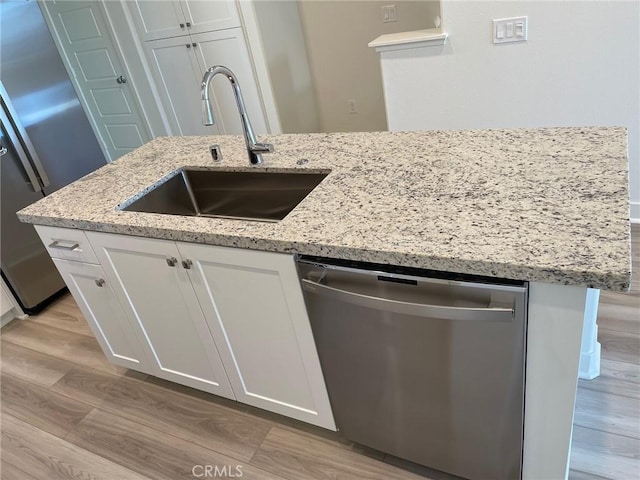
(69, 414)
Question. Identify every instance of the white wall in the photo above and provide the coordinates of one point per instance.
(337, 34)
(286, 56)
(579, 67)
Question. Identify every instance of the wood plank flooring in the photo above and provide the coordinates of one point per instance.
(606, 436)
(69, 414)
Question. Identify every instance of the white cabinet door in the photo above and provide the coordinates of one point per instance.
(151, 283)
(229, 48)
(177, 75)
(158, 19)
(155, 19)
(118, 337)
(207, 15)
(254, 306)
(178, 65)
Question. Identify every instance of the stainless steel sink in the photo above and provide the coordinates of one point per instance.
(262, 196)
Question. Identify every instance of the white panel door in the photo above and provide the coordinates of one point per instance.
(149, 280)
(178, 75)
(207, 15)
(120, 341)
(229, 48)
(83, 34)
(254, 306)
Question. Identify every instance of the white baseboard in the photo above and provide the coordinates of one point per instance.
(635, 212)
(590, 363)
(7, 317)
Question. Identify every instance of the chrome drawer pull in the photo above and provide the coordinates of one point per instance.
(59, 244)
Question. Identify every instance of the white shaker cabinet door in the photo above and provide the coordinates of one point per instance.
(118, 338)
(158, 19)
(150, 281)
(178, 74)
(207, 15)
(254, 306)
(229, 48)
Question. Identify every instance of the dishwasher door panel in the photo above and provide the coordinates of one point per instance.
(444, 393)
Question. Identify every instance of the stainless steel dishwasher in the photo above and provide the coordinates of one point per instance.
(427, 369)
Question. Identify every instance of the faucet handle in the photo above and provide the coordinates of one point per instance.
(262, 148)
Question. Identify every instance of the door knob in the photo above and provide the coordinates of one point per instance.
(121, 79)
(188, 24)
(182, 25)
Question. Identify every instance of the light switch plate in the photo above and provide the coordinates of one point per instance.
(507, 30)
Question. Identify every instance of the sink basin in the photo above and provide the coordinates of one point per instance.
(262, 196)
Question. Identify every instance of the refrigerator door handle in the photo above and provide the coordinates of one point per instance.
(11, 121)
(22, 156)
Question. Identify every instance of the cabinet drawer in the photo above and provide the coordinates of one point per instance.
(67, 244)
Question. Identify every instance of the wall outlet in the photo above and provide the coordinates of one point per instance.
(389, 14)
(352, 106)
(507, 30)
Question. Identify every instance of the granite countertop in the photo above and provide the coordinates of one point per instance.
(547, 205)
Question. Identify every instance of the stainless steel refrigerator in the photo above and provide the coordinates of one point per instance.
(46, 143)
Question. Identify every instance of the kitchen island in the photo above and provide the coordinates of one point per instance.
(548, 206)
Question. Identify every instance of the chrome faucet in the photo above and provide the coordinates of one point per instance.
(254, 149)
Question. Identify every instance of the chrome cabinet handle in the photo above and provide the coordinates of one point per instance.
(121, 79)
(194, 45)
(100, 282)
(182, 25)
(172, 261)
(187, 264)
(188, 45)
(188, 24)
(483, 314)
(59, 244)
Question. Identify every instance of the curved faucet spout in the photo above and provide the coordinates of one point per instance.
(254, 148)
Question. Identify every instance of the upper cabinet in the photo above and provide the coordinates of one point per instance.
(166, 19)
(181, 39)
(178, 65)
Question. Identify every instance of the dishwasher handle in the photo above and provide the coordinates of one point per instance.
(482, 314)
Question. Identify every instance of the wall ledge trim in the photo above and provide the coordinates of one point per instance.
(405, 40)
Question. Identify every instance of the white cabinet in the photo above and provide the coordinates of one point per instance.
(178, 65)
(77, 263)
(181, 39)
(228, 321)
(229, 48)
(255, 309)
(171, 18)
(115, 334)
(156, 293)
(177, 75)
